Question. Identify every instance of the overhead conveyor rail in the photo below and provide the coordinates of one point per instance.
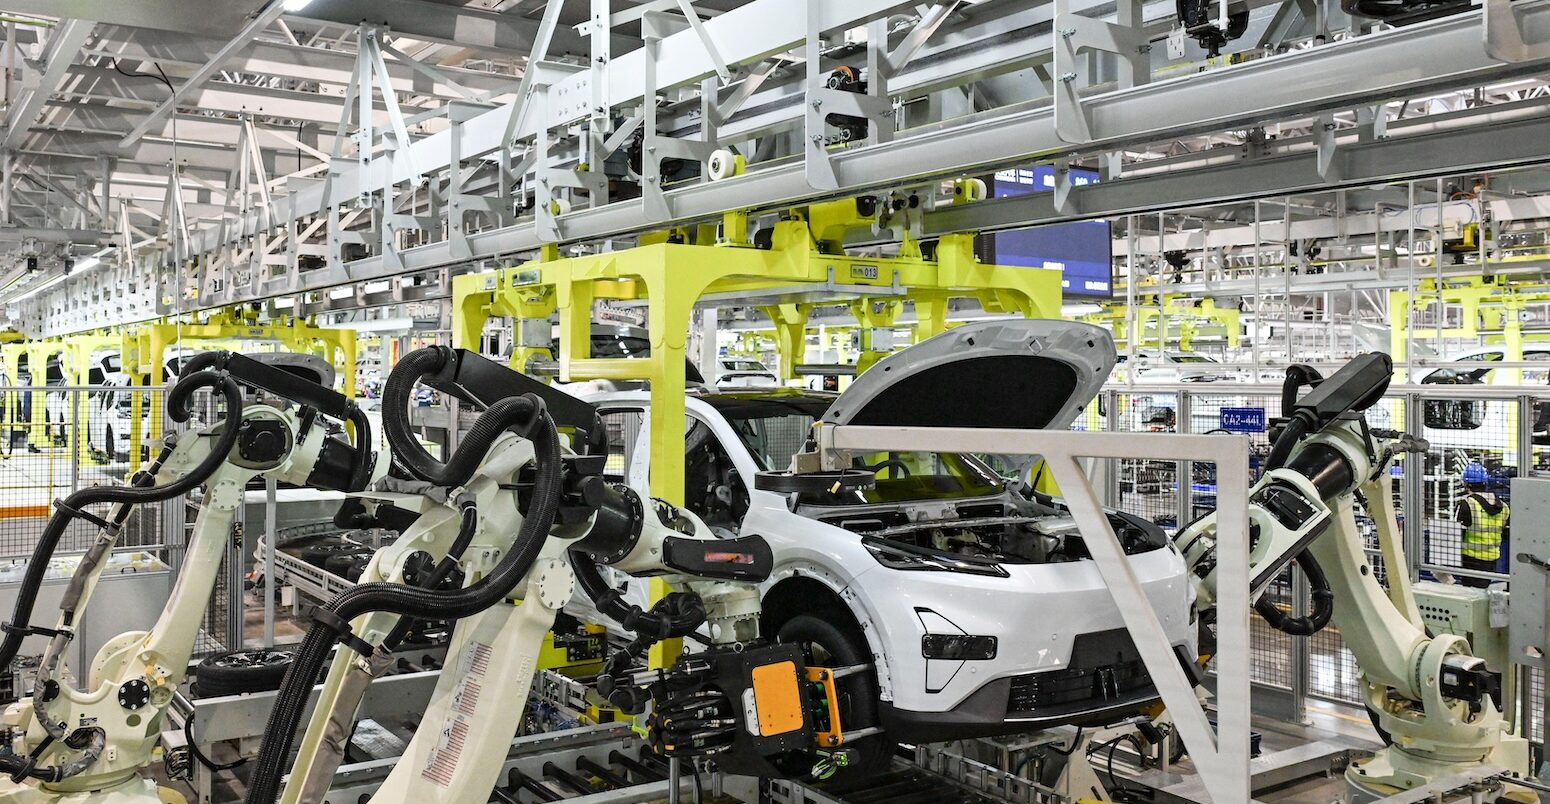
(320, 218)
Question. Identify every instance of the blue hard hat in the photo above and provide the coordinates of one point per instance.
(1474, 474)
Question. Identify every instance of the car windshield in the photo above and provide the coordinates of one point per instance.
(774, 428)
(742, 365)
(1192, 359)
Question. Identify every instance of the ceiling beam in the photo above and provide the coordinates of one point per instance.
(38, 86)
(243, 38)
(450, 25)
(179, 54)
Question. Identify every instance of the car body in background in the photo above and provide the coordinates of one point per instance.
(742, 372)
(941, 551)
(1480, 429)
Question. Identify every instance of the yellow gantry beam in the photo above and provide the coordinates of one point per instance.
(1159, 318)
(1489, 308)
(785, 280)
(145, 347)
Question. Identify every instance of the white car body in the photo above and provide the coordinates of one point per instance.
(737, 372)
(1057, 631)
(1475, 427)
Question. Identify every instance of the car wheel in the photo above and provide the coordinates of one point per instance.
(318, 553)
(340, 563)
(242, 671)
(825, 644)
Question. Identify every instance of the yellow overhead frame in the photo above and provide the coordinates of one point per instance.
(802, 267)
(145, 346)
(1490, 308)
(1190, 314)
(674, 271)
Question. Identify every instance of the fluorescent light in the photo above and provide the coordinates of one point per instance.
(39, 289)
(86, 264)
(295, 5)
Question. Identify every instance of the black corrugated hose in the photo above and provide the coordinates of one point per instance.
(397, 393)
(1323, 600)
(280, 733)
(465, 534)
(179, 400)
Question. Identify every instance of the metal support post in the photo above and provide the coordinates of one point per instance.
(1415, 489)
(271, 544)
(1186, 469)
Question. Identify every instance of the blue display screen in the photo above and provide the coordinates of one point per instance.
(1081, 251)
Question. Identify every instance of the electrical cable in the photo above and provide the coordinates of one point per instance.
(193, 748)
(525, 411)
(1075, 741)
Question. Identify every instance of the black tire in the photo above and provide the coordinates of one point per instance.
(825, 644)
(318, 553)
(354, 568)
(242, 671)
(340, 563)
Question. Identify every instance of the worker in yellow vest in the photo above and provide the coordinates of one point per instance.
(1484, 518)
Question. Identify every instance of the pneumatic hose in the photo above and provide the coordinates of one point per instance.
(407, 450)
(291, 701)
(1322, 598)
(179, 401)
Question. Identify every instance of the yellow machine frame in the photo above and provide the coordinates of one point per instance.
(145, 346)
(786, 281)
(1161, 314)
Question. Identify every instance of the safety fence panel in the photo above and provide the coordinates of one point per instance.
(1321, 666)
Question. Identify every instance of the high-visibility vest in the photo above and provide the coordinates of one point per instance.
(1483, 537)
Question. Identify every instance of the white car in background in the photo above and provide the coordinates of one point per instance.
(741, 372)
(1476, 427)
(972, 597)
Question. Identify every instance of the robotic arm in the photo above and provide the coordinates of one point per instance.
(95, 740)
(1427, 692)
(516, 509)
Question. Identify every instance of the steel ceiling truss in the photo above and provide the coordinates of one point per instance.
(495, 182)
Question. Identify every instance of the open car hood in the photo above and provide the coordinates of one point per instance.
(1025, 373)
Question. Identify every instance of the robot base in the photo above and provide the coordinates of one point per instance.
(134, 791)
(1392, 771)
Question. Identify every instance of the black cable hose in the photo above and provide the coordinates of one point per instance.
(193, 749)
(465, 534)
(1322, 598)
(178, 408)
(280, 733)
(1293, 432)
(396, 395)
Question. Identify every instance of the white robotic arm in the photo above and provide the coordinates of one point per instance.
(89, 744)
(1431, 696)
(515, 508)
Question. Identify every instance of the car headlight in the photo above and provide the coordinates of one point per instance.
(894, 555)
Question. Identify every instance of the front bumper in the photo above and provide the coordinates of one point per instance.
(1063, 655)
(1098, 689)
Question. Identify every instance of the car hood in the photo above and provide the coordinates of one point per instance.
(1026, 374)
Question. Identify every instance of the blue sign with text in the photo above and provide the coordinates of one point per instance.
(1243, 420)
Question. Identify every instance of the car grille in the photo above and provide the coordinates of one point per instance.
(1105, 668)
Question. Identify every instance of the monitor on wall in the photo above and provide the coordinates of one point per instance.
(1081, 251)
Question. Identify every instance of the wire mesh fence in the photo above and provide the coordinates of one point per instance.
(1456, 529)
(56, 440)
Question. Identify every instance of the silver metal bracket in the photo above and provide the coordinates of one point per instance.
(1504, 39)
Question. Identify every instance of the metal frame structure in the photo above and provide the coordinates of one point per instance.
(785, 281)
(1221, 755)
(443, 186)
